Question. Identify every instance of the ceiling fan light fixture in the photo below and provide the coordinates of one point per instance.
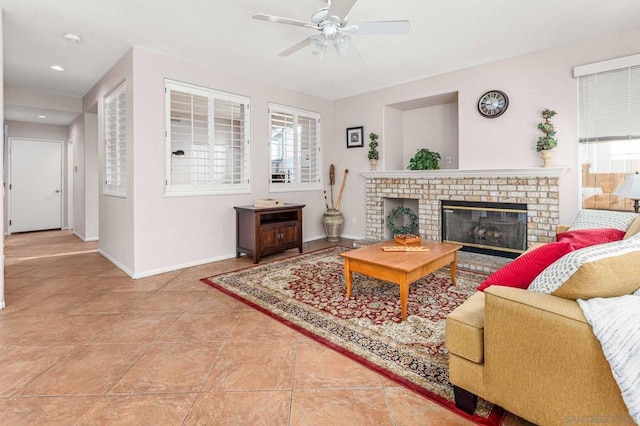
(342, 44)
(318, 44)
(333, 28)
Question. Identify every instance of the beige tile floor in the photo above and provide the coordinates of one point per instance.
(84, 344)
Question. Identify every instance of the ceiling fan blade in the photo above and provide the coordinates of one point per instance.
(379, 27)
(279, 20)
(340, 8)
(304, 43)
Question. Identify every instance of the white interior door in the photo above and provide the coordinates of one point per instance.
(35, 185)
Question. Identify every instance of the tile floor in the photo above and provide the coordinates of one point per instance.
(84, 344)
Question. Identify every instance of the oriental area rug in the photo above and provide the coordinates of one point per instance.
(307, 292)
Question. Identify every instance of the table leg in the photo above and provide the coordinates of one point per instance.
(347, 277)
(452, 267)
(404, 298)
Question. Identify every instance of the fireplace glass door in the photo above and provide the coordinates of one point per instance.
(492, 228)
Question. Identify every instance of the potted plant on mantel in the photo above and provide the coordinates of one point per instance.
(373, 152)
(547, 142)
(425, 159)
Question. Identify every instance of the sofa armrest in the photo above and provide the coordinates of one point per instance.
(542, 361)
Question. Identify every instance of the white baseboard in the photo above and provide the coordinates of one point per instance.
(171, 268)
(117, 263)
(85, 239)
(182, 266)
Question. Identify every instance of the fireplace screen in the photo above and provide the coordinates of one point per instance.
(494, 228)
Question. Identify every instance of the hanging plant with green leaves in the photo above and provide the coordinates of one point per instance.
(401, 212)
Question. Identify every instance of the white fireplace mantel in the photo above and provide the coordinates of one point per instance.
(552, 172)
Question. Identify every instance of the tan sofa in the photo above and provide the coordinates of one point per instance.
(533, 354)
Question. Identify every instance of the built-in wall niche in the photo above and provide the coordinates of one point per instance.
(428, 122)
(400, 220)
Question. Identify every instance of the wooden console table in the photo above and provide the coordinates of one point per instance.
(267, 230)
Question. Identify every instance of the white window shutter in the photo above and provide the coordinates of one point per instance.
(207, 135)
(115, 143)
(294, 148)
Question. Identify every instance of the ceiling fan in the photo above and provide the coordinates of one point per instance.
(334, 29)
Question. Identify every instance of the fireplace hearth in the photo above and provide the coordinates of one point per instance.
(488, 228)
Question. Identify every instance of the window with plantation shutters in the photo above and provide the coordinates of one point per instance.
(115, 143)
(609, 129)
(295, 149)
(207, 134)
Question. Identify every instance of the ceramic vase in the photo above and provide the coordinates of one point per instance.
(373, 163)
(332, 221)
(546, 157)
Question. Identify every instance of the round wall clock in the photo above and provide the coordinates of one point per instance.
(493, 104)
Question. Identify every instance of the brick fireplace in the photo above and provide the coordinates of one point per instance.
(536, 187)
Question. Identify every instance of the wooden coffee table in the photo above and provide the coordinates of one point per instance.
(400, 268)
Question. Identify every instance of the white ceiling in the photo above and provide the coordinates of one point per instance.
(445, 35)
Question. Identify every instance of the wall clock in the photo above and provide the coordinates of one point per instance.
(493, 104)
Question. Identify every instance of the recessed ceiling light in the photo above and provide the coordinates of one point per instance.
(56, 68)
(42, 116)
(72, 37)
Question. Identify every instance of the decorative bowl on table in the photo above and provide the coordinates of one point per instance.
(407, 239)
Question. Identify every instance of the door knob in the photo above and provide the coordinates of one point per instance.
(57, 191)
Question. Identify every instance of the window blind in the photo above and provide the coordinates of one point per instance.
(609, 105)
(295, 148)
(115, 143)
(207, 141)
(609, 133)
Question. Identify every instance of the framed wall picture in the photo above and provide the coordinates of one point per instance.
(354, 137)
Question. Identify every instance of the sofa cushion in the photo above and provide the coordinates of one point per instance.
(581, 238)
(590, 219)
(603, 270)
(464, 330)
(526, 267)
(633, 229)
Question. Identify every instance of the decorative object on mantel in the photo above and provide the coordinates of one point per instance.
(425, 159)
(630, 188)
(332, 219)
(401, 211)
(373, 152)
(355, 137)
(547, 142)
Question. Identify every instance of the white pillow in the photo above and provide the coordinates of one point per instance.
(594, 219)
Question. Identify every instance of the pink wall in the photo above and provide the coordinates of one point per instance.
(83, 132)
(2, 199)
(174, 232)
(533, 82)
(76, 136)
(115, 214)
(19, 129)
